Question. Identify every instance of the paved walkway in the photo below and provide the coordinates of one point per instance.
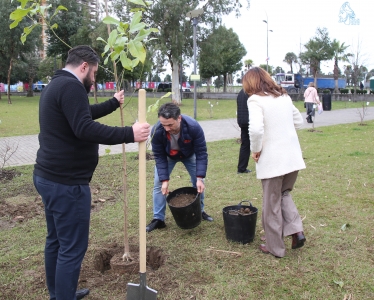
(214, 130)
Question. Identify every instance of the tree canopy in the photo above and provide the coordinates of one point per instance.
(221, 58)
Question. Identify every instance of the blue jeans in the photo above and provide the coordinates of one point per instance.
(159, 200)
(67, 213)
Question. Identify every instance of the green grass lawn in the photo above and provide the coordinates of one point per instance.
(21, 117)
(336, 262)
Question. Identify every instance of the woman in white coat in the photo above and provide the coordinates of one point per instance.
(276, 150)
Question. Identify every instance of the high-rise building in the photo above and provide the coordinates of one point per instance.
(92, 7)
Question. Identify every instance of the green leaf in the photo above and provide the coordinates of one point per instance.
(154, 107)
(14, 24)
(137, 50)
(58, 9)
(166, 95)
(54, 26)
(135, 19)
(344, 227)
(23, 38)
(112, 38)
(19, 14)
(23, 3)
(339, 283)
(107, 151)
(101, 39)
(125, 61)
(111, 20)
(134, 62)
(137, 27)
(106, 60)
(138, 2)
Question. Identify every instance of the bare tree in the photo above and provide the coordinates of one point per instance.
(6, 153)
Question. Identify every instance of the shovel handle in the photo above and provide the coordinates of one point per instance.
(142, 185)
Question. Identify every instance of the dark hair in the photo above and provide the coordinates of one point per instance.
(80, 54)
(258, 81)
(169, 110)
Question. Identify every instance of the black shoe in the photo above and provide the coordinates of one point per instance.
(298, 240)
(80, 294)
(309, 119)
(246, 171)
(206, 217)
(155, 224)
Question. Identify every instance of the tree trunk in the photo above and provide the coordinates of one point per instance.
(224, 83)
(176, 97)
(8, 79)
(208, 82)
(30, 92)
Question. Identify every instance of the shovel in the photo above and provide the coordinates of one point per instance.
(141, 291)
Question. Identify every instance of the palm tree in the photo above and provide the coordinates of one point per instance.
(248, 63)
(339, 55)
(290, 58)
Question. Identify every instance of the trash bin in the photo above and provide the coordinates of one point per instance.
(326, 101)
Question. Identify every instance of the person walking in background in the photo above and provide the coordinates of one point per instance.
(69, 141)
(176, 138)
(243, 120)
(311, 98)
(361, 86)
(277, 153)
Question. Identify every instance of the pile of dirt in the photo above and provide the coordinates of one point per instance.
(182, 200)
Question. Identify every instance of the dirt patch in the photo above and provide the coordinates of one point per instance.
(19, 209)
(8, 174)
(314, 130)
(110, 259)
(182, 200)
(148, 156)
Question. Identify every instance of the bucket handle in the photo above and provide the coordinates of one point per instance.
(250, 204)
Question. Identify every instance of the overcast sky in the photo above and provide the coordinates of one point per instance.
(294, 22)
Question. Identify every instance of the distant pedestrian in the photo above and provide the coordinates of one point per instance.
(243, 122)
(361, 86)
(311, 98)
(277, 153)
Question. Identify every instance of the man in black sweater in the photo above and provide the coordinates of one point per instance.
(243, 122)
(69, 139)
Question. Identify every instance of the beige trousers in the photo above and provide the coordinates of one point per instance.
(279, 213)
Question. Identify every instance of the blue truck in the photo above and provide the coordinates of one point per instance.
(293, 82)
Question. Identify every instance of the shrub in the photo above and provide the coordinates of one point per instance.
(371, 92)
(344, 91)
(326, 91)
(167, 90)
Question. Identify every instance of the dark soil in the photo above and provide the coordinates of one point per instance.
(8, 174)
(243, 211)
(182, 200)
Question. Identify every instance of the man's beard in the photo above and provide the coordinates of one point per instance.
(87, 83)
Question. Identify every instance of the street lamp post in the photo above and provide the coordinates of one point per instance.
(194, 15)
(267, 43)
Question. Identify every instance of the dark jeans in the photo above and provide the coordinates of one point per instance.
(310, 111)
(67, 213)
(245, 149)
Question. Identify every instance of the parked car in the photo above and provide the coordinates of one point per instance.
(164, 87)
(38, 87)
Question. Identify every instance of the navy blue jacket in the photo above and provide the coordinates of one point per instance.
(191, 141)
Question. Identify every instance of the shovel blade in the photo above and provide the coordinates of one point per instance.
(137, 292)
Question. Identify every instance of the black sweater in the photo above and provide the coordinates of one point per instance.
(69, 137)
(242, 109)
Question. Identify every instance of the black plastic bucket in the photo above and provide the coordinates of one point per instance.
(240, 227)
(189, 216)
